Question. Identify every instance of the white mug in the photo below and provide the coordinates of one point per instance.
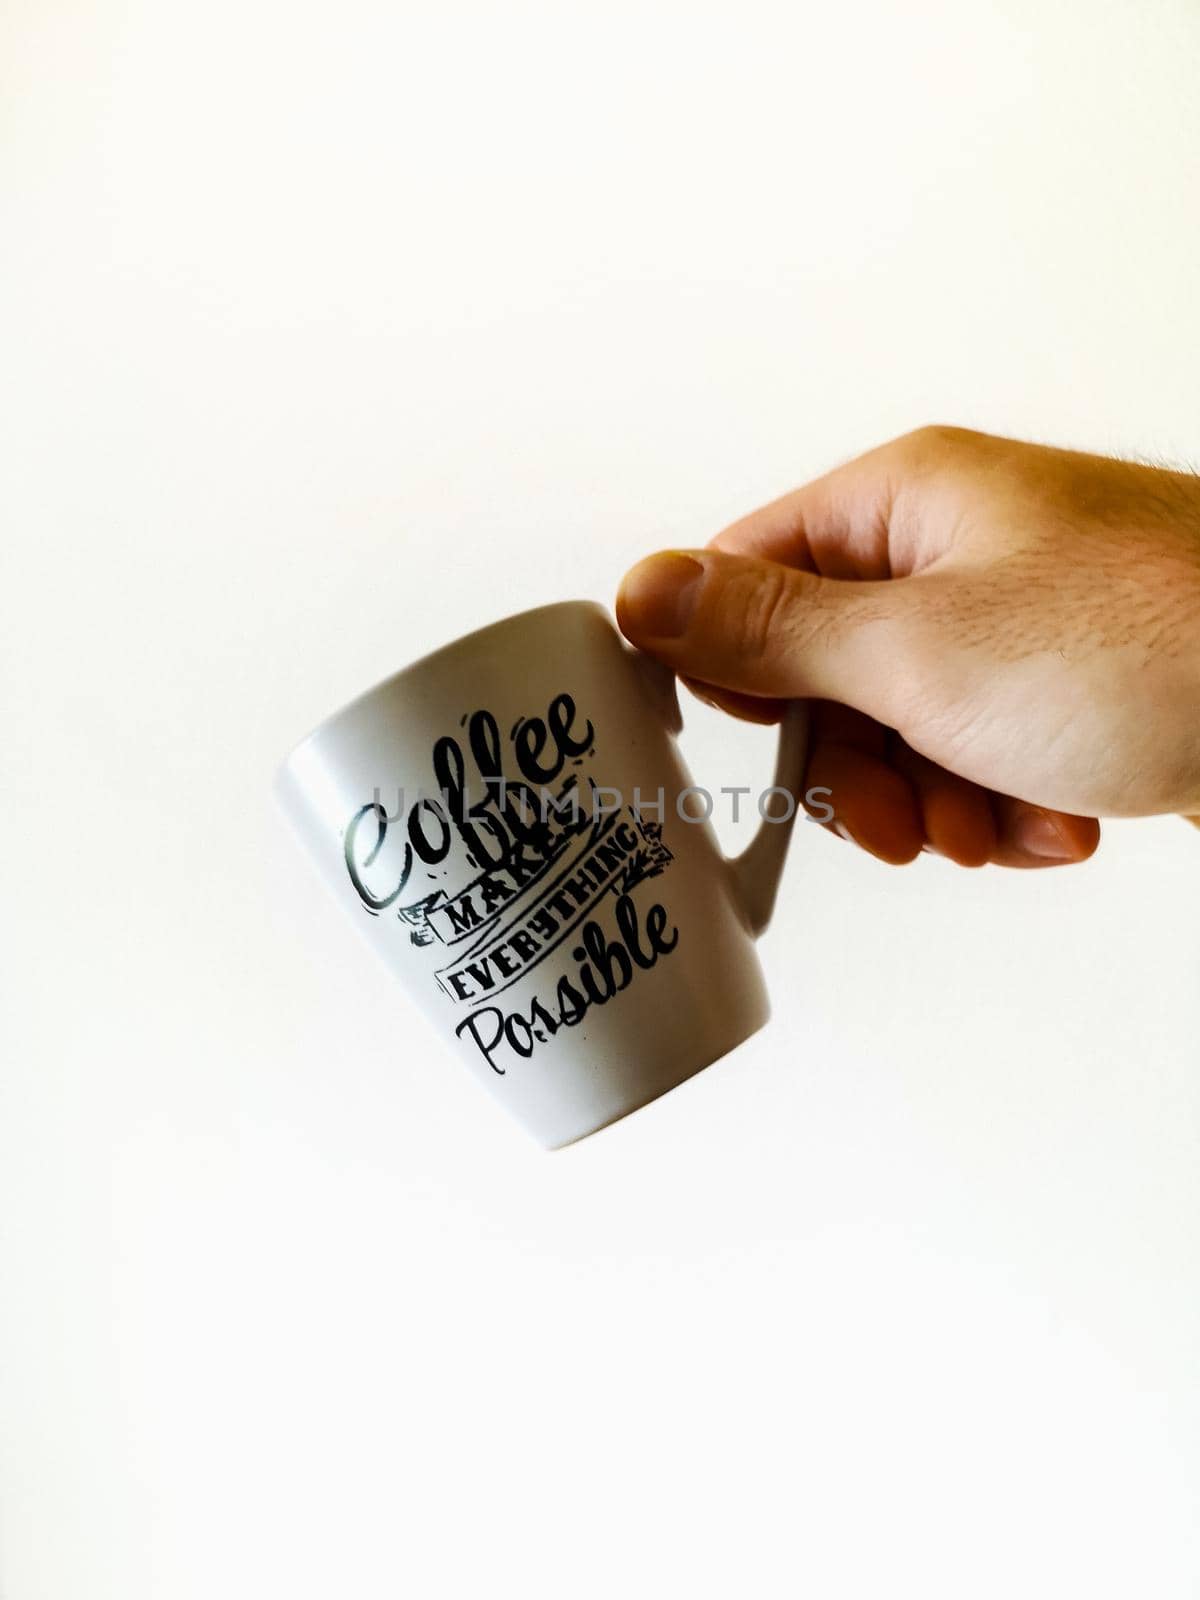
(510, 823)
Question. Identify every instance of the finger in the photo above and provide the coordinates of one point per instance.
(1033, 836)
(877, 516)
(763, 629)
(837, 525)
(874, 806)
(956, 814)
(747, 708)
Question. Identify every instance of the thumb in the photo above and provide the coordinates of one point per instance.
(765, 629)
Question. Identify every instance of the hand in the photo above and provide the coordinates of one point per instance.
(1004, 641)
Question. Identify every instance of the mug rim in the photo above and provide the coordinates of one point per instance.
(431, 657)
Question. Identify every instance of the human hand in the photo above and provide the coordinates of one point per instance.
(1003, 641)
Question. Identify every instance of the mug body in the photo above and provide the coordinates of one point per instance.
(510, 824)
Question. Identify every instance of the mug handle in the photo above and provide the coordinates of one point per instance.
(757, 871)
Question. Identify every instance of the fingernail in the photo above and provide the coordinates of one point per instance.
(659, 595)
(1039, 835)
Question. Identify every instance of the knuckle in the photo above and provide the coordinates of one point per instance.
(933, 440)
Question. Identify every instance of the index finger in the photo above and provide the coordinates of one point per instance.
(837, 525)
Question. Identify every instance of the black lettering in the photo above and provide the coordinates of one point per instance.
(572, 1007)
(486, 1028)
(562, 716)
(519, 1034)
(504, 965)
(459, 984)
(495, 892)
(463, 915)
(373, 902)
(543, 924)
(656, 921)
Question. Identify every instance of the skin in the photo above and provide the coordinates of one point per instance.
(1002, 641)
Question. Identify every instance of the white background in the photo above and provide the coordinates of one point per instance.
(331, 332)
